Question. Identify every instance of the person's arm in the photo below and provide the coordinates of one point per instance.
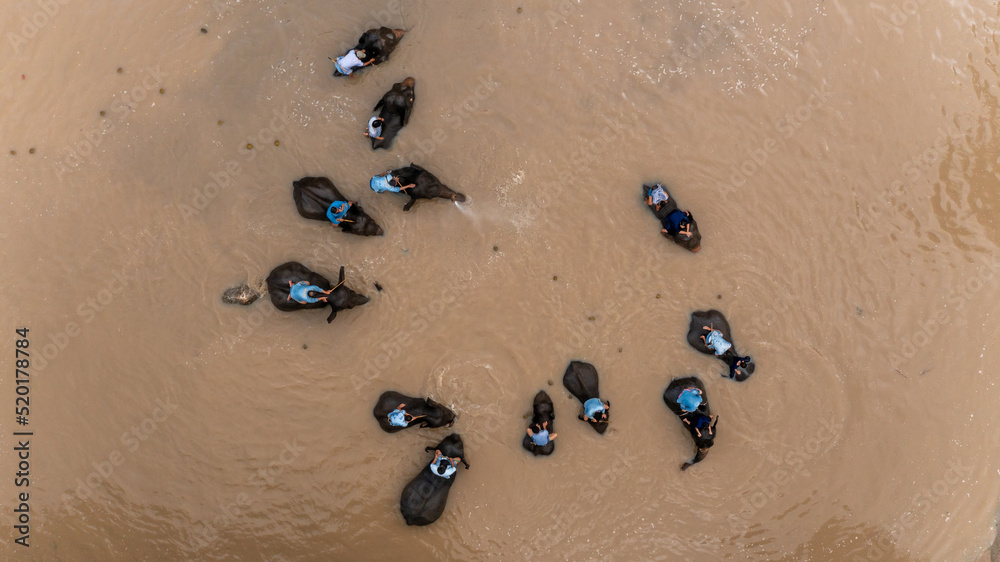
(530, 433)
(553, 436)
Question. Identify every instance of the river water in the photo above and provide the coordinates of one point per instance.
(840, 158)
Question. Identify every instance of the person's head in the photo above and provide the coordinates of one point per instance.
(377, 122)
(741, 368)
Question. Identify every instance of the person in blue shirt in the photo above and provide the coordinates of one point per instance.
(677, 223)
(656, 197)
(541, 435)
(397, 417)
(715, 340)
(690, 399)
(595, 410)
(387, 182)
(701, 421)
(449, 466)
(302, 292)
(338, 210)
(738, 365)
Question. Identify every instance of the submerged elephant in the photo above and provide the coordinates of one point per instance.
(709, 333)
(375, 46)
(675, 224)
(687, 399)
(395, 412)
(318, 199)
(396, 106)
(416, 182)
(581, 380)
(540, 438)
(424, 498)
(293, 286)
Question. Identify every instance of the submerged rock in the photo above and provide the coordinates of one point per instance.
(245, 294)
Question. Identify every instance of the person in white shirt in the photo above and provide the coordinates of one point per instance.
(374, 128)
(353, 60)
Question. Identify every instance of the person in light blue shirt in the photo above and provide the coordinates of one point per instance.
(443, 470)
(656, 196)
(689, 399)
(595, 410)
(301, 292)
(397, 417)
(541, 435)
(715, 341)
(386, 182)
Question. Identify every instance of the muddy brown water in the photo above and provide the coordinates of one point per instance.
(840, 158)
